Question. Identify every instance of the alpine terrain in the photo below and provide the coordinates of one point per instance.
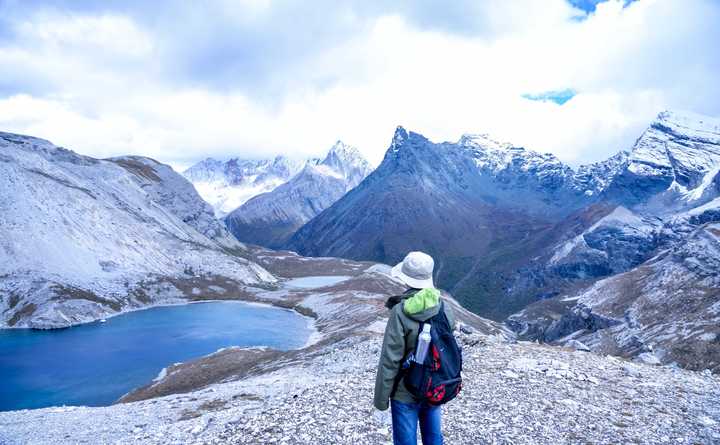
(84, 238)
(269, 219)
(623, 251)
(513, 392)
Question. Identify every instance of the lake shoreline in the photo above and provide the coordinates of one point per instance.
(110, 349)
(179, 302)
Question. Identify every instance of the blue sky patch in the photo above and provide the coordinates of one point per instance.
(589, 5)
(557, 96)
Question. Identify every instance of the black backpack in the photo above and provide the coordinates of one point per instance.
(437, 380)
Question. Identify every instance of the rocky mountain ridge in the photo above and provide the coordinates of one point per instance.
(227, 185)
(511, 227)
(658, 248)
(458, 201)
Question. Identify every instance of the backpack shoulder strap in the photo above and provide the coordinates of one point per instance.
(442, 316)
(396, 299)
(402, 371)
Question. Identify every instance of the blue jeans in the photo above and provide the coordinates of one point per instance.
(405, 418)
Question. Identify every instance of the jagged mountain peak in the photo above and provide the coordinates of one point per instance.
(400, 135)
(341, 148)
(404, 140)
(283, 161)
(228, 184)
(345, 161)
(342, 152)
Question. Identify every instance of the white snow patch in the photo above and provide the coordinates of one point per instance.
(566, 248)
(161, 375)
(708, 336)
(620, 215)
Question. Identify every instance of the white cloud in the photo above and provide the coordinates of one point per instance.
(106, 91)
(113, 35)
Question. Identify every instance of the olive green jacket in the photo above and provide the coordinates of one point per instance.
(400, 338)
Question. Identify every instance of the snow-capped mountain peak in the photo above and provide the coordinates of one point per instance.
(226, 185)
(347, 161)
(270, 218)
(343, 150)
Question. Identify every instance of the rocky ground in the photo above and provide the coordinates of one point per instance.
(513, 393)
(322, 394)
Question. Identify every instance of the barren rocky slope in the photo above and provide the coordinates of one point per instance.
(84, 238)
(666, 310)
(657, 238)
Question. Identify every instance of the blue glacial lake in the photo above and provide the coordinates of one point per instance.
(316, 281)
(97, 363)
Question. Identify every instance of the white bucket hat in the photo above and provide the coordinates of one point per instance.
(415, 270)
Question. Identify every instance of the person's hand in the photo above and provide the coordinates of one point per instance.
(382, 417)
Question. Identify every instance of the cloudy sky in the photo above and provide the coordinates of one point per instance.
(181, 81)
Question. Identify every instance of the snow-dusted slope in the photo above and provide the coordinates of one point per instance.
(271, 218)
(655, 236)
(228, 185)
(83, 238)
(671, 159)
(667, 309)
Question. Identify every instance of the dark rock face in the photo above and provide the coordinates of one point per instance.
(710, 215)
(636, 186)
(668, 306)
(580, 318)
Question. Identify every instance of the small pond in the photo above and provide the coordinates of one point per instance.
(315, 281)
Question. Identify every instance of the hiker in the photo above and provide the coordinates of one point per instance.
(402, 381)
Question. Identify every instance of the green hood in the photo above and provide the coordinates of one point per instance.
(423, 305)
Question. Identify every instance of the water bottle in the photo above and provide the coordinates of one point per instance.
(423, 343)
